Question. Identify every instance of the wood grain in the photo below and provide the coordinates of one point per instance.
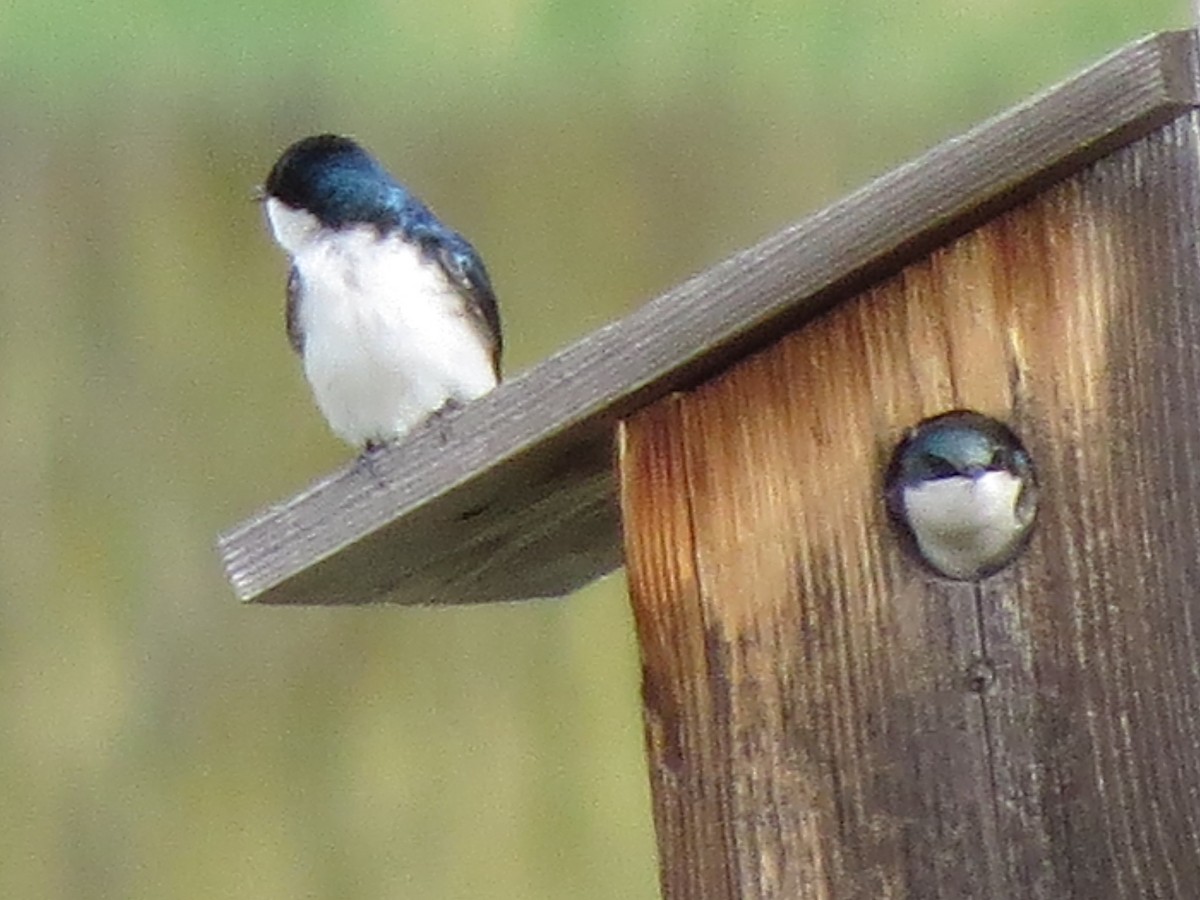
(827, 719)
(514, 497)
(691, 803)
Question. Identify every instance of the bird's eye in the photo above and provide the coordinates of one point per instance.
(940, 468)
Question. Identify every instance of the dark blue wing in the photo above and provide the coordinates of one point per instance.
(466, 272)
(463, 267)
(294, 331)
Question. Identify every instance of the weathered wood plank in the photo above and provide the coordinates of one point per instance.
(857, 727)
(515, 499)
(684, 701)
(1096, 728)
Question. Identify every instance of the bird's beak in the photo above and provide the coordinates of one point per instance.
(258, 194)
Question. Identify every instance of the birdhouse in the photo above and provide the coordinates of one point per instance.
(909, 503)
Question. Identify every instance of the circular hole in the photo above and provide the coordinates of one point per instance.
(962, 489)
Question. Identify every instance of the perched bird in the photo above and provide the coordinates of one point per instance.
(391, 311)
(964, 489)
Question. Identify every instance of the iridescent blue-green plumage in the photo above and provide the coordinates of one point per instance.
(342, 185)
(960, 443)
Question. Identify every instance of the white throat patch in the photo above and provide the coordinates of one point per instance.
(291, 228)
(964, 525)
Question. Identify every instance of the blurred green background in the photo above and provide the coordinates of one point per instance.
(157, 739)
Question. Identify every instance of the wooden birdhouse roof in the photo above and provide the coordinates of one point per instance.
(516, 497)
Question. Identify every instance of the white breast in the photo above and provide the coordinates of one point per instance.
(387, 340)
(963, 525)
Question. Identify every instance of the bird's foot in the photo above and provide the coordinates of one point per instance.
(372, 452)
(442, 419)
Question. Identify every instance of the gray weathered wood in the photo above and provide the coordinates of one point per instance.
(514, 497)
(825, 718)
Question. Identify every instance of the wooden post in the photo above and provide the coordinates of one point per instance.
(824, 717)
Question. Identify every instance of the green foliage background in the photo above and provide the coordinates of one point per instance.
(157, 740)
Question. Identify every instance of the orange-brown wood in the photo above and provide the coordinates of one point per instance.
(825, 718)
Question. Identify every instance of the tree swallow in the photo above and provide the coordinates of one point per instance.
(963, 488)
(391, 311)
